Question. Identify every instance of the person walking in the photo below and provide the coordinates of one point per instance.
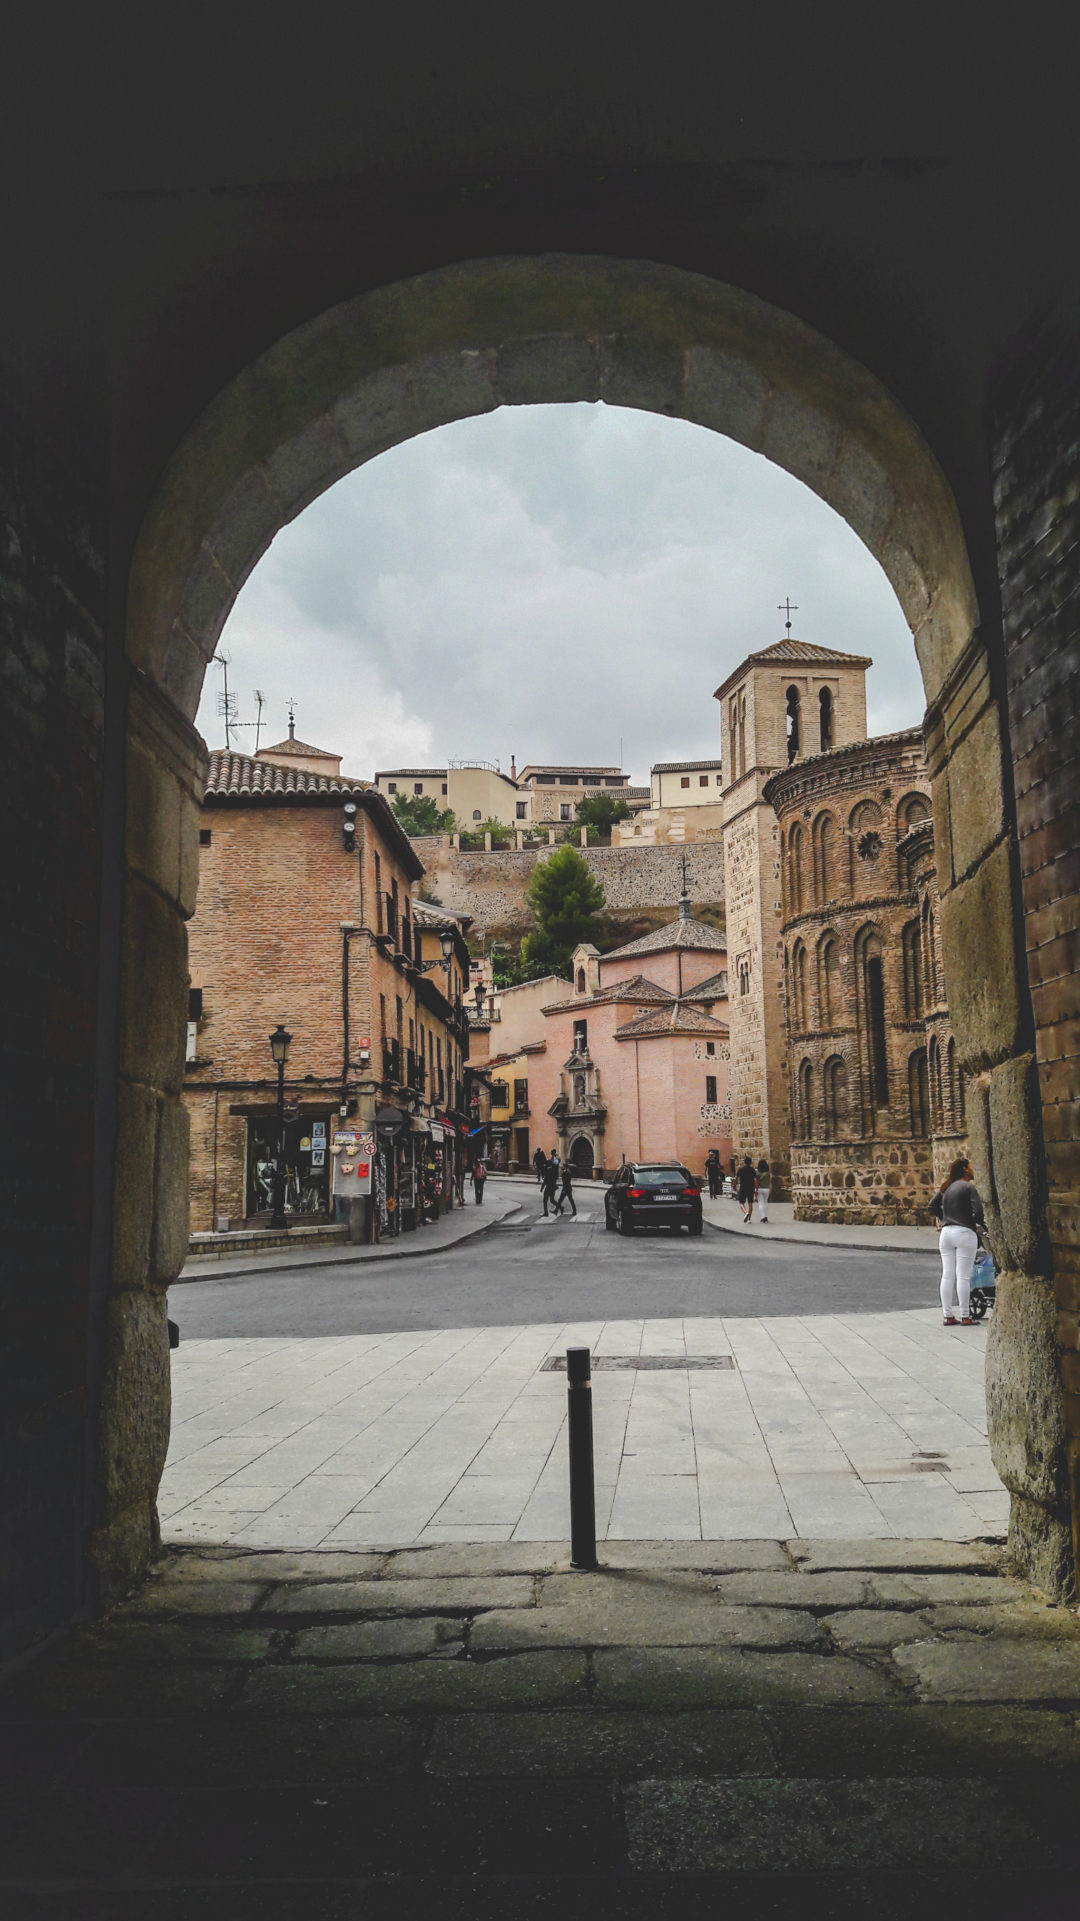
(479, 1176)
(957, 1204)
(539, 1164)
(763, 1189)
(551, 1184)
(746, 1188)
(712, 1172)
(566, 1191)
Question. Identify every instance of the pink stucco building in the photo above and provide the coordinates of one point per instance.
(635, 1061)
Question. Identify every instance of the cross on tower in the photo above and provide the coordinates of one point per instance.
(292, 720)
(788, 607)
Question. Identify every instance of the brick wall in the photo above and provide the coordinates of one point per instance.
(1035, 426)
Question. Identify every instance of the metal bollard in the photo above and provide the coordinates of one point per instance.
(582, 1487)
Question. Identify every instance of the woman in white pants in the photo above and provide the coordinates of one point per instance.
(957, 1205)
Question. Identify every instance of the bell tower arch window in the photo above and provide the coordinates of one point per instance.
(792, 724)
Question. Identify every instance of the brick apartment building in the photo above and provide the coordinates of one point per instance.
(305, 917)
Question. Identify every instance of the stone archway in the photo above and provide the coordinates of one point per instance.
(462, 341)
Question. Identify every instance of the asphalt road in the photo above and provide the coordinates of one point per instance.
(558, 1270)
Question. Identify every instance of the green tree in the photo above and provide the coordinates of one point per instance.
(566, 904)
(600, 810)
(419, 814)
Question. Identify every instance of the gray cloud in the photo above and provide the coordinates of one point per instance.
(545, 581)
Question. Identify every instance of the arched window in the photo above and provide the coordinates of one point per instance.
(742, 733)
(792, 724)
(919, 1094)
(805, 1101)
(871, 995)
(834, 1089)
(912, 809)
(795, 869)
(929, 958)
(866, 846)
(581, 980)
(825, 722)
(914, 998)
(733, 729)
(830, 1003)
(798, 986)
(824, 838)
(954, 1085)
(937, 1092)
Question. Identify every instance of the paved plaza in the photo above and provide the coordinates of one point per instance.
(708, 1426)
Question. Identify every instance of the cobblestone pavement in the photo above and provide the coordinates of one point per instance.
(747, 1729)
(869, 1424)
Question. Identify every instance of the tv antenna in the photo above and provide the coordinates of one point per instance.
(238, 726)
(226, 704)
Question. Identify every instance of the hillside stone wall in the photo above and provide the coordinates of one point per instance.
(491, 886)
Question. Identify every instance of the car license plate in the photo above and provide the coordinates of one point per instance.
(665, 1197)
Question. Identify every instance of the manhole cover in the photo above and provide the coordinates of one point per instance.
(642, 1363)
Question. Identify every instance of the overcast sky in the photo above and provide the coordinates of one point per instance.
(547, 582)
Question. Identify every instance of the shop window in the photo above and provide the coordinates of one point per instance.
(710, 1090)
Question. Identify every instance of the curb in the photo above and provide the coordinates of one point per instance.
(225, 1273)
(807, 1240)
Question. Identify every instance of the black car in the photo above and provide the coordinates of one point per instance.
(653, 1194)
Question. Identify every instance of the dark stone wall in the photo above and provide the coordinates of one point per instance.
(1035, 427)
(52, 729)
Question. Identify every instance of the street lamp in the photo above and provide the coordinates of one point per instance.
(279, 1048)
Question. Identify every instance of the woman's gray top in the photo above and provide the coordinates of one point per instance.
(959, 1206)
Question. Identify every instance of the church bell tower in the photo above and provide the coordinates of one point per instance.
(790, 702)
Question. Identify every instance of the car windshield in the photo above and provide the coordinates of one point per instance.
(661, 1177)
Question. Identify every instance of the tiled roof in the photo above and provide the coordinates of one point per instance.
(676, 933)
(636, 989)
(236, 774)
(791, 649)
(792, 652)
(239, 778)
(679, 1019)
(685, 766)
(713, 989)
(299, 747)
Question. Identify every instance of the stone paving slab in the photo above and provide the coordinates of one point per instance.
(727, 1677)
(178, 1760)
(927, 1556)
(590, 1741)
(446, 1594)
(779, 1826)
